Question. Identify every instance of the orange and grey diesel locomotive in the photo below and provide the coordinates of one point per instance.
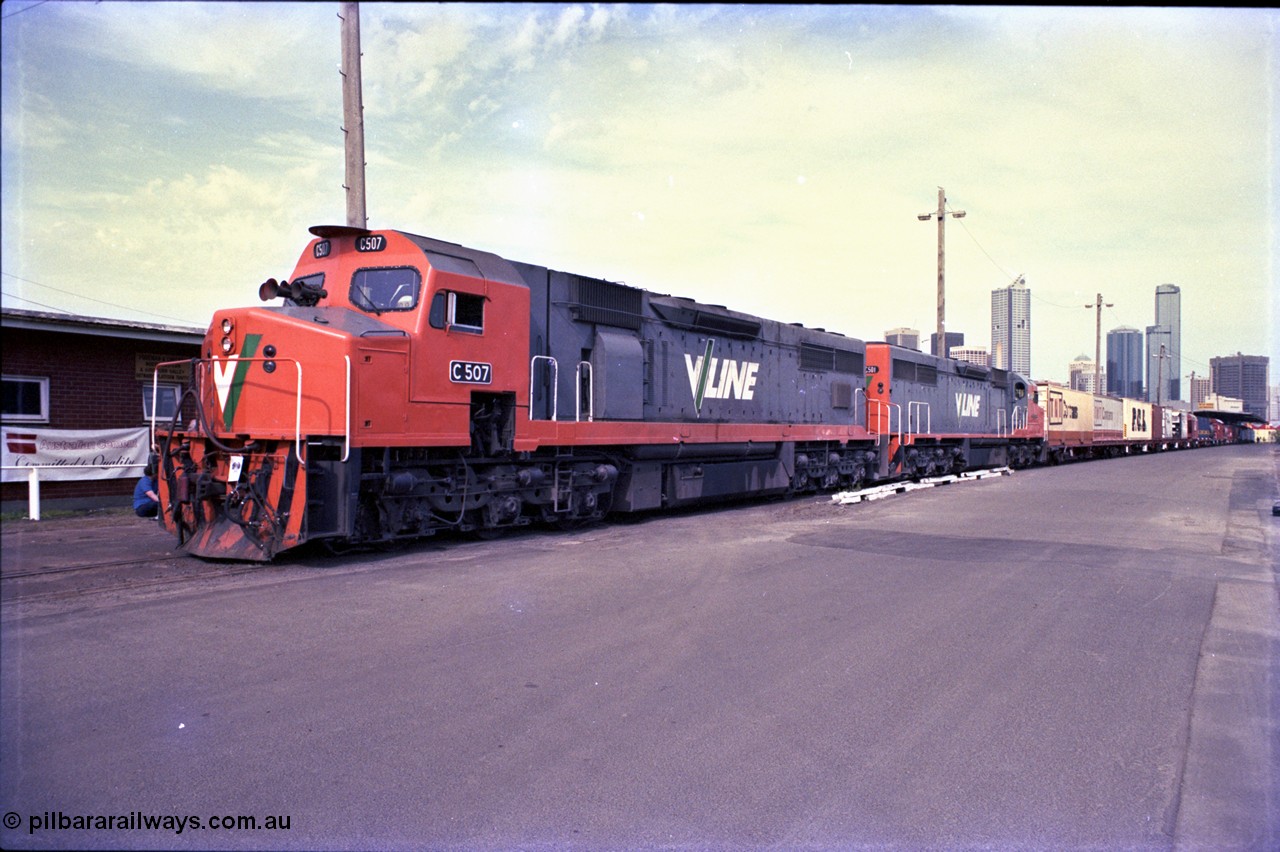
(406, 385)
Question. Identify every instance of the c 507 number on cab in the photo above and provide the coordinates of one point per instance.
(470, 372)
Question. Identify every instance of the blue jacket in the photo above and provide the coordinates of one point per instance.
(140, 498)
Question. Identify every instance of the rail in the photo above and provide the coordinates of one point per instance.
(891, 406)
(591, 392)
(866, 423)
(297, 413)
(1017, 422)
(917, 406)
(555, 383)
(346, 435)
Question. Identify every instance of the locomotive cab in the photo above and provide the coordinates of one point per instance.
(383, 341)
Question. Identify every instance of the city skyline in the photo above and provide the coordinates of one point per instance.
(771, 159)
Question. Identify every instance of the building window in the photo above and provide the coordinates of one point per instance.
(26, 399)
(166, 401)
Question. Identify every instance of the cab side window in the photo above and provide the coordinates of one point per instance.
(458, 311)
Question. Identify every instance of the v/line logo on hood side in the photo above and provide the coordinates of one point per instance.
(228, 381)
(720, 378)
(968, 405)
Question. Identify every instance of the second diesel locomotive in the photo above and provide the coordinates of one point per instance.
(406, 385)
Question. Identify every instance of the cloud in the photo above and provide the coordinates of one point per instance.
(259, 50)
(664, 145)
(39, 124)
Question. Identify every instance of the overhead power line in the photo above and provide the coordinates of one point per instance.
(23, 9)
(79, 296)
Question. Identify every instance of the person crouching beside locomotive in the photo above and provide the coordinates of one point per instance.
(146, 503)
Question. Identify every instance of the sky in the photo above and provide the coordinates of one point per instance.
(160, 160)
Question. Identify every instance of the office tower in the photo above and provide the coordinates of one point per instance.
(1124, 362)
(908, 338)
(1244, 377)
(1081, 374)
(972, 354)
(1199, 387)
(1011, 328)
(954, 339)
(1169, 315)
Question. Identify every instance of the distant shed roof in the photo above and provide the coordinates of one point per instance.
(99, 326)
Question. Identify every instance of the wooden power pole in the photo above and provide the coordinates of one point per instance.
(1097, 346)
(353, 115)
(940, 348)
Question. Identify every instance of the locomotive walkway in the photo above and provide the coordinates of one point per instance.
(1073, 657)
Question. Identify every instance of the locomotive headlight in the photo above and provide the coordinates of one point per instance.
(227, 325)
(227, 345)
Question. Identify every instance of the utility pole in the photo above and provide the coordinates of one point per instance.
(353, 115)
(940, 348)
(1160, 374)
(1097, 346)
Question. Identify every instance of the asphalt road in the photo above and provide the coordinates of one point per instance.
(1074, 657)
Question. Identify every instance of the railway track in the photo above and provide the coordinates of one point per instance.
(108, 576)
(64, 569)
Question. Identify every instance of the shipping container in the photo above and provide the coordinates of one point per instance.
(1137, 420)
(1068, 415)
(1108, 420)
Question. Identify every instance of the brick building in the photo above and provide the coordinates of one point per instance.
(64, 372)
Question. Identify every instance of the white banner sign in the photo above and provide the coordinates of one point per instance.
(66, 450)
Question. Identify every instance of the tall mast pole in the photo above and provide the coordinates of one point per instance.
(942, 290)
(940, 346)
(1160, 381)
(353, 115)
(1097, 346)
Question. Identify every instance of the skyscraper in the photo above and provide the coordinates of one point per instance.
(1081, 374)
(1244, 377)
(906, 337)
(1011, 327)
(972, 354)
(954, 339)
(1169, 315)
(1200, 388)
(1124, 362)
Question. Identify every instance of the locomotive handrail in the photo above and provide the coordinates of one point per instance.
(155, 391)
(555, 383)
(891, 406)
(916, 405)
(297, 423)
(346, 436)
(866, 424)
(591, 392)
